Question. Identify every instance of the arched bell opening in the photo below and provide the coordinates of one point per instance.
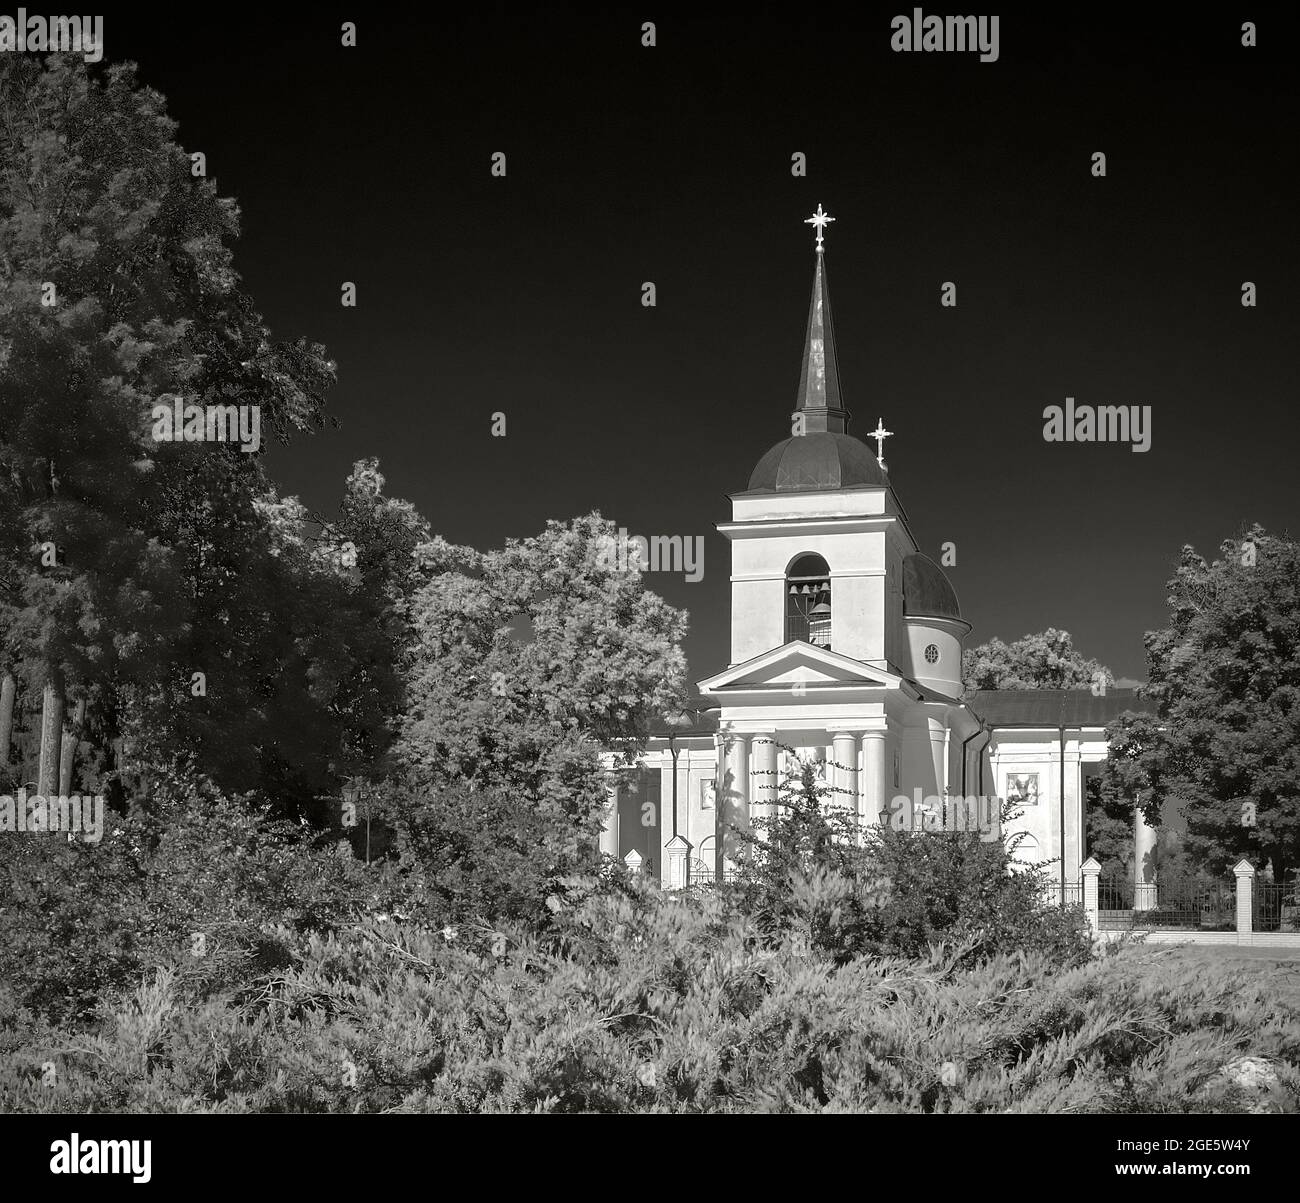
(808, 601)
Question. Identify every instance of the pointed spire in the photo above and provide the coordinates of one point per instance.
(819, 380)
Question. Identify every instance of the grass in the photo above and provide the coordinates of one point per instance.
(1280, 967)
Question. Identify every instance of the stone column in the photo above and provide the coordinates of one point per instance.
(1244, 871)
(719, 802)
(875, 774)
(763, 776)
(845, 755)
(734, 800)
(938, 745)
(609, 833)
(1144, 862)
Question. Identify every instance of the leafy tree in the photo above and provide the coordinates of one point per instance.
(264, 633)
(1225, 678)
(118, 288)
(375, 540)
(527, 663)
(1047, 660)
(1110, 832)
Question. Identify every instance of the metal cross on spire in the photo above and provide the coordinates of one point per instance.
(880, 434)
(819, 221)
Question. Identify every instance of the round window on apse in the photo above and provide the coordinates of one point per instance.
(932, 654)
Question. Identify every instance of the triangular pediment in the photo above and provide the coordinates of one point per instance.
(801, 664)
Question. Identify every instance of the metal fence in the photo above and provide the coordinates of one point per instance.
(1056, 894)
(701, 873)
(1178, 905)
(1276, 907)
(1172, 906)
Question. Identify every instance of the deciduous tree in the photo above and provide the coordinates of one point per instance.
(1225, 677)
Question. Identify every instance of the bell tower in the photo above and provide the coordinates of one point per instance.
(818, 539)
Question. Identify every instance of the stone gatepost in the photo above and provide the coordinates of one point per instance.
(676, 853)
(633, 861)
(1245, 874)
(1091, 871)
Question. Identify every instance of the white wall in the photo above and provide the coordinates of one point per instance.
(1013, 751)
(861, 535)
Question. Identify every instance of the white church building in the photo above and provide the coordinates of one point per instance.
(846, 647)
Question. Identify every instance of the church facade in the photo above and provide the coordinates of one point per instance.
(846, 650)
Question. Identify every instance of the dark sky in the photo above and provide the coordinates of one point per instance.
(672, 164)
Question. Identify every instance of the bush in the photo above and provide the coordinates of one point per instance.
(898, 973)
(487, 853)
(894, 892)
(190, 885)
(638, 1002)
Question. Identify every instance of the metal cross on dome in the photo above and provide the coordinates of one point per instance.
(819, 222)
(880, 434)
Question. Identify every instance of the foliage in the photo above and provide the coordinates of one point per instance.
(382, 534)
(82, 921)
(118, 291)
(1225, 738)
(636, 1002)
(469, 852)
(1047, 660)
(526, 662)
(893, 891)
(1109, 832)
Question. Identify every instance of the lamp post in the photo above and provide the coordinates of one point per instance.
(681, 718)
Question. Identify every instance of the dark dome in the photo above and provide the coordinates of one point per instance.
(926, 591)
(824, 460)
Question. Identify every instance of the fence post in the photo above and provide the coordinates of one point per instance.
(1091, 870)
(633, 861)
(1245, 873)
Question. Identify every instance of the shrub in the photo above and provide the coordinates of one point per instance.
(895, 892)
(191, 885)
(640, 1002)
(487, 853)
